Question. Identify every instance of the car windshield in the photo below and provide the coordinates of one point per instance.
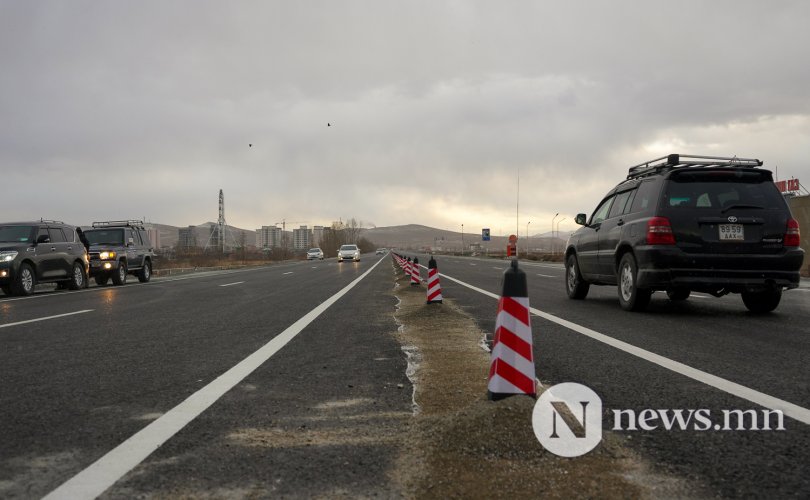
(349, 247)
(16, 234)
(105, 236)
(314, 250)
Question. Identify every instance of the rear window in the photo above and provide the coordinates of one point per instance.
(722, 189)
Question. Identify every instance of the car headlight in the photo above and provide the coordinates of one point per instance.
(106, 255)
(8, 256)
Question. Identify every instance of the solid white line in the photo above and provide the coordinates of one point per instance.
(546, 276)
(229, 284)
(288, 273)
(95, 479)
(789, 409)
(802, 289)
(45, 318)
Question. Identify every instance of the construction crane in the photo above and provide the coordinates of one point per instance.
(284, 233)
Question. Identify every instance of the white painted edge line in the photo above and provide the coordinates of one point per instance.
(547, 276)
(45, 318)
(104, 472)
(789, 409)
(288, 273)
(231, 284)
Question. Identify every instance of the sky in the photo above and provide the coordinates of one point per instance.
(441, 113)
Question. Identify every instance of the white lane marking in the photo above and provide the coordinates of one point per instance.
(802, 289)
(288, 273)
(231, 284)
(498, 268)
(95, 479)
(45, 318)
(789, 409)
(547, 276)
(473, 264)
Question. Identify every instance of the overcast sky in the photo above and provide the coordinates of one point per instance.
(121, 109)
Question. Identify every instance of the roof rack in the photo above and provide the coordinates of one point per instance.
(679, 161)
(47, 221)
(119, 223)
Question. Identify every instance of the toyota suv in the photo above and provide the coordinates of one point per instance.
(119, 248)
(688, 223)
(40, 252)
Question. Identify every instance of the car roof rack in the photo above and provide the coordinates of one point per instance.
(119, 223)
(680, 161)
(47, 221)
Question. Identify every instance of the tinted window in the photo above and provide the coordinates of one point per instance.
(16, 234)
(43, 231)
(57, 236)
(145, 238)
(105, 236)
(349, 247)
(620, 204)
(644, 198)
(723, 190)
(136, 238)
(601, 212)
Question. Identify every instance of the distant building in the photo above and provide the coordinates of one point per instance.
(317, 236)
(302, 237)
(154, 236)
(186, 238)
(268, 237)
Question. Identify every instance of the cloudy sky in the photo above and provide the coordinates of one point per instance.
(120, 109)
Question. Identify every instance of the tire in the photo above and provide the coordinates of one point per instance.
(79, 278)
(25, 281)
(762, 302)
(145, 274)
(631, 297)
(575, 286)
(678, 294)
(102, 279)
(119, 276)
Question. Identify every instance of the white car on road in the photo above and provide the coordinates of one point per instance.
(349, 252)
(314, 253)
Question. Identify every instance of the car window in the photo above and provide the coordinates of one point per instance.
(601, 212)
(144, 237)
(105, 236)
(136, 238)
(15, 234)
(348, 247)
(620, 203)
(644, 197)
(43, 231)
(57, 236)
(713, 189)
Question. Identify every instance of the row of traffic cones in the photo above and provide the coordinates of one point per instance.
(512, 360)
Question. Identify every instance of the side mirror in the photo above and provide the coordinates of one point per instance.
(581, 219)
(43, 238)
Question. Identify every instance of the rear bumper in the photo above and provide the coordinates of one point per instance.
(661, 267)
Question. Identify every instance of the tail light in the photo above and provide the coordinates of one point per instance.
(792, 237)
(659, 232)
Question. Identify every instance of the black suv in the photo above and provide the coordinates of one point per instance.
(40, 252)
(118, 248)
(689, 223)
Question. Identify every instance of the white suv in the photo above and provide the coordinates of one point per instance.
(347, 252)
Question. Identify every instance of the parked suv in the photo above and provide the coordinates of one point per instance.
(688, 223)
(40, 252)
(118, 248)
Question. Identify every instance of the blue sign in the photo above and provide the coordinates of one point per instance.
(485, 234)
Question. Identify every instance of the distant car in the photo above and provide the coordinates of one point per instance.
(689, 223)
(119, 248)
(40, 252)
(349, 252)
(380, 251)
(314, 253)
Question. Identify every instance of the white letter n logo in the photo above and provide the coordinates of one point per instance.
(567, 419)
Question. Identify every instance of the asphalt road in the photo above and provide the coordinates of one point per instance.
(768, 354)
(90, 372)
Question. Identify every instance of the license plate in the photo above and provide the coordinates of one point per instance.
(732, 232)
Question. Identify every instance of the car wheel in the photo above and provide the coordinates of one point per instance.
(102, 279)
(145, 274)
(678, 294)
(762, 302)
(119, 277)
(78, 279)
(25, 281)
(631, 297)
(576, 287)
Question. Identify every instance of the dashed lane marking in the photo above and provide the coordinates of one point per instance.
(231, 284)
(7, 325)
(547, 276)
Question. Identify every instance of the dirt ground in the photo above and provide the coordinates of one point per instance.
(461, 445)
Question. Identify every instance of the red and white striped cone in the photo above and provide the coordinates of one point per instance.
(408, 267)
(434, 288)
(512, 367)
(416, 277)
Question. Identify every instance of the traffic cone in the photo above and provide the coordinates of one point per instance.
(434, 289)
(512, 367)
(416, 277)
(408, 268)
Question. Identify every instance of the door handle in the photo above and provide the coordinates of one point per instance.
(53, 249)
(620, 223)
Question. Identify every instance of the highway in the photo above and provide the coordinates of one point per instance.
(235, 377)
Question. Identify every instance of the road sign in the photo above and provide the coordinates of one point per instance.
(485, 234)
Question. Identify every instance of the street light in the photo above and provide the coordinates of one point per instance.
(527, 239)
(558, 226)
(462, 240)
(552, 232)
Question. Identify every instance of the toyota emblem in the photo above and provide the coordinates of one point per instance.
(732, 219)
